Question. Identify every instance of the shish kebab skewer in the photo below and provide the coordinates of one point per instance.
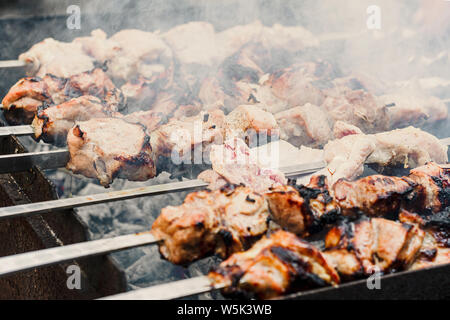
(282, 263)
(54, 159)
(244, 228)
(30, 260)
(68, 203)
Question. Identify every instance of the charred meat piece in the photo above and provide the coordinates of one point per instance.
(375, 195)
(57, 58)
(435, 249)
(275, 265)
(372, 245)
(306, 209)
(107, 148)
(52, 124)
(424, 190)
(219, 222)
(303, 209)
(27, 95)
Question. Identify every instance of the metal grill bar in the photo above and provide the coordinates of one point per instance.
(30, 260)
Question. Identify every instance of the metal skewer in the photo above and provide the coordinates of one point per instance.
(18, 162)
(53, 159)
(68, 203)
(12, 64)
(24, 130)
(169, 291)
(30, 260)
(40, 258)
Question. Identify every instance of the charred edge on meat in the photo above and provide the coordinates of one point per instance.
(314, 223)
(77, 131)
(302, 277)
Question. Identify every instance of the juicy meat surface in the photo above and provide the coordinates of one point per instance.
(307, 209)
(249, 121)
(372, 245)
(150, 119)
(409, 147)
(28, 94)
(107, 148)
(435, 249)
(180, 138)
(211, 222)
(52, 124)
(356, 107)
(306, 125)
(296, 86)
(303, 209)
(275, 265)
(232, 162)
(410, 109)
(342, 129)
(425, 189)
(60, 59)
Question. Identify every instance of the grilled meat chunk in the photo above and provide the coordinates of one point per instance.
(247, 121)
(132, 54)
(28, 94)
(296, 84)
(51, 124)
(342, 129)
(356, 107)
(410, 109)
(372, 245)
(303, 209)
(221, 222)
(150, 119)
(275, 265)
(425, 189)
(409, 147)
(232, 162)
(306, 209)
(306, 125)
(107, 148)
(435, 249)
(60, 59)
(179, 138)
(193, 43)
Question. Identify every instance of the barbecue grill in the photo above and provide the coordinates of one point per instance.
(37, 220)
